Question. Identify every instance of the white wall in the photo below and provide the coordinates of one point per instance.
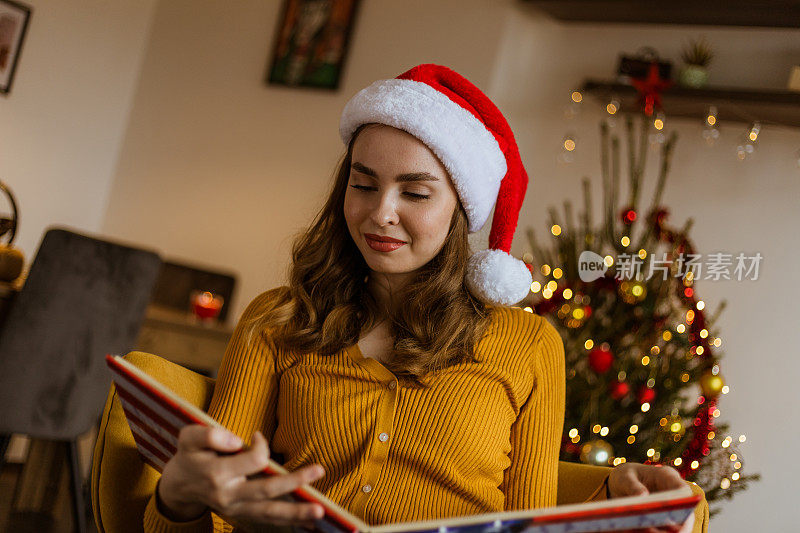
(61, 125)
(748, 206)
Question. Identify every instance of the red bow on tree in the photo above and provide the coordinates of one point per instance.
(650, 89)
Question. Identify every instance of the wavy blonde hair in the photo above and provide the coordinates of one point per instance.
(326, 304)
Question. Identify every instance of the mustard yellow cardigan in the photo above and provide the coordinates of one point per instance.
(483, 438)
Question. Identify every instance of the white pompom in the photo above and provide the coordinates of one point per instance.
(496, 277)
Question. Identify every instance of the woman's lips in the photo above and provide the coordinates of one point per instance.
(381, 246)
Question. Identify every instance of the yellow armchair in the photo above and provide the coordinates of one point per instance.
(122, 484)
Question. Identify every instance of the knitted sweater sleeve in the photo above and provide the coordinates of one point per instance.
(244, 400)
(532, 477)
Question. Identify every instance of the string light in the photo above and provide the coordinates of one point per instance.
(555, 230)
(557, 273)
(658, 123)
(711, 118)
(695, 465)
(588, 344)
(625, 240)
(568, 145)
(645, 407)
(608, 261)
(710, 127)
(613, 106)
(567, 294)
(545, 269)
(536, 287)
(747, 143)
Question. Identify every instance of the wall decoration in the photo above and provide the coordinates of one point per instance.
(13, 25)
(311, 43)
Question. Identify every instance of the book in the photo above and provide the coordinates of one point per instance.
(155, 415)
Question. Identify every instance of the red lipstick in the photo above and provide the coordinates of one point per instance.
(383, 243)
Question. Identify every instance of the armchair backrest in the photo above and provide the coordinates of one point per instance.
(121, 482)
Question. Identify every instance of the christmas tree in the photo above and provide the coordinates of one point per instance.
(642, 351)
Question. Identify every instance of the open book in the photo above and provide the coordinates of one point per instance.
(156, 414)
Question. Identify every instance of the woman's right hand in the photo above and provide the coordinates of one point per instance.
(197, 478)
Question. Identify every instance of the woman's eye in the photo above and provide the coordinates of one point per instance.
(413, 195)
(418, 196)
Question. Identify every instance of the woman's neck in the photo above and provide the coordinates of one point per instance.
(385, 287)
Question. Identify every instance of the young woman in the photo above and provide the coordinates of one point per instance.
(393, 372)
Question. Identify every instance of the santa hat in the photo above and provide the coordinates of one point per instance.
(474, 142)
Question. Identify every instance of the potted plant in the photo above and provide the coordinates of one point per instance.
(696, 55)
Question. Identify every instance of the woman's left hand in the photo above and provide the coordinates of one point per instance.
(636, 479)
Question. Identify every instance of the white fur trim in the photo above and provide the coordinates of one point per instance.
(496, 277)
(468, 150)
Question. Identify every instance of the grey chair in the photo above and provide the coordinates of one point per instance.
(84, 297)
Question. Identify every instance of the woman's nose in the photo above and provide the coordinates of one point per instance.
(385, 213)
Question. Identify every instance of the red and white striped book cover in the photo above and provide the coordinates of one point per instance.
(156, 415)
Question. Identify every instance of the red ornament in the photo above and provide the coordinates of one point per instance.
(618, 389)
(600, 360)
(587, 311)
(650, 89)
(628, 216)
(646, 394)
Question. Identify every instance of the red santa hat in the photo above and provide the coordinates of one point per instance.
(474, 142)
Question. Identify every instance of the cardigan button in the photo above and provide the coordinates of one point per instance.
(366, 488)
(383, 437)
(392, 385)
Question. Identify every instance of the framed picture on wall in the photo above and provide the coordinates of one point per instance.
(13, 24)
(311, 43)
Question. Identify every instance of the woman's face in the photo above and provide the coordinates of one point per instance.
(397, 188)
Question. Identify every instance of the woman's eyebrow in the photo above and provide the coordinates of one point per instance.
(412, 176)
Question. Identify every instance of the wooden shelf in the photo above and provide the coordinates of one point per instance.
(767, 13)
(733, 105)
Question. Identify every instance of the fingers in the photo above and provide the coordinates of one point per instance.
(276, 486)
(280, 512)
(252, 460)
(666, 478)
(195, 437)
(625, 482)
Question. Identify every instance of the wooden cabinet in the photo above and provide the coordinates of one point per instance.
(178, 337)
